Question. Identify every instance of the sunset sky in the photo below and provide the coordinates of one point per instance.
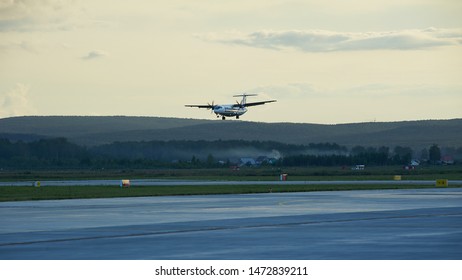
(324, 61)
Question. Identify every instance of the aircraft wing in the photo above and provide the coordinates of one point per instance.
(258, 103)
(201, 106)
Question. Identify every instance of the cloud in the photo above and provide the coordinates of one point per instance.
(288, 91)
(330, 41)
(32, 15)
(303, 91)
(95, 54)
(16, 102)
(23, 45)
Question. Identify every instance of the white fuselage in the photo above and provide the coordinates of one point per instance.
(229, 110)
(232, 110)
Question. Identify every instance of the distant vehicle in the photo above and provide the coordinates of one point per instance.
(232, 110)
(358, 167)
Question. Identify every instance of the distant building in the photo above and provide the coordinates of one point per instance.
(247, 161)
(261, 159)
(447, 159)
(409, 167)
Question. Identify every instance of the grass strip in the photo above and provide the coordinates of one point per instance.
(77, 192)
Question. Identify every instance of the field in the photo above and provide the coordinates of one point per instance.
(429, 172)
(75, 192)
(8, 193)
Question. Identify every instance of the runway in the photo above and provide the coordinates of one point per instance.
(384, 224)
(169, 182)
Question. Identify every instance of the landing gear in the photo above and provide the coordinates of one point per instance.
(237, 117)
(223, 118)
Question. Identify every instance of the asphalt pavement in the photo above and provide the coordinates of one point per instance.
(359, 225)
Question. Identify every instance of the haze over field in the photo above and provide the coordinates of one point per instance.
(324, 61)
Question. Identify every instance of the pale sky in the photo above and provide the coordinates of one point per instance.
(324, 61)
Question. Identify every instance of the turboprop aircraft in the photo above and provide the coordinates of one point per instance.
(232, 110)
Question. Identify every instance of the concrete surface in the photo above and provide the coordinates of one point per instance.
(385, 224)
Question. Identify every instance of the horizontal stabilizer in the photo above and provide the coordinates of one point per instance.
(244, 94)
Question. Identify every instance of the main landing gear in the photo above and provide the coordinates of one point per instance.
(224, 118)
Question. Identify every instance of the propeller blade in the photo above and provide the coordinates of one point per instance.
(212, 107)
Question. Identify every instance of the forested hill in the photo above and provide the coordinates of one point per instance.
(102, 130)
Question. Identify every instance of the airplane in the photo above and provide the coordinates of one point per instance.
(232, 110)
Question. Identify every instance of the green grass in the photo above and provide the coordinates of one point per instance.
(76, 192)
(223, 174)
(428, 172)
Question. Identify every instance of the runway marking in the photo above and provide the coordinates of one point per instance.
(212, 228)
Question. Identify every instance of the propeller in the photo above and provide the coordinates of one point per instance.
(212, 107)
(237, 102)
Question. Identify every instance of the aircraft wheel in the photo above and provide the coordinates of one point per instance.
(223, 118)
(237, 117)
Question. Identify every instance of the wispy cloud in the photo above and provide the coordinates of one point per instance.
(15, 102)
(34, 15)
(288, 91)
(95, 54)
(23, 45)
(330, 41)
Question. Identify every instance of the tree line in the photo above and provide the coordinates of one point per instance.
(60, 153)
